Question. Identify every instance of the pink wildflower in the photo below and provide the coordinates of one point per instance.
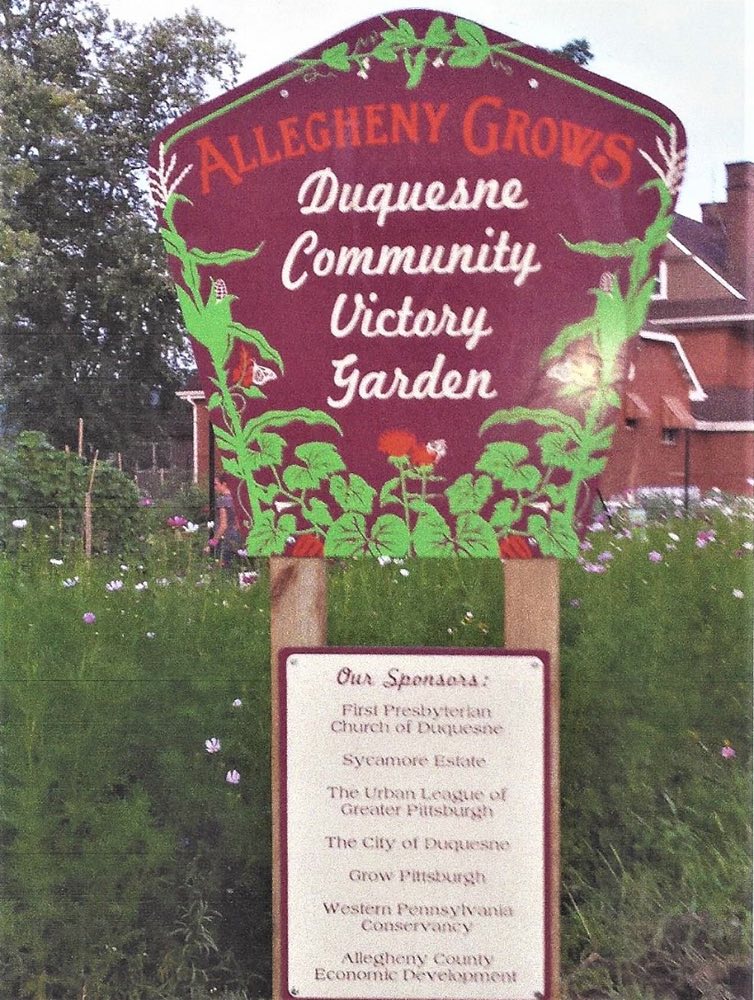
(655, 556)
(233, 777)
(728, 752)
(89, 618)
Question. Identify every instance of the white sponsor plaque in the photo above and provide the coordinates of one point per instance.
(414, 824)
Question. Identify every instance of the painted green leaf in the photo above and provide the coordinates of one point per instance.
(231, 466)
(415, 69)
(223, 257)
(384, 52)
(546, 417)
(438, 35)
(347, 536)
(604, 250)
(556, 494)
(432, 536)
(390, 537)
(252, 392)
(475, 537)
(318, 513)
(354, 495)
(266, 450)
(336, 57)
(403, 35)
(504, 515)
(266, 494)
(386, 493)
(298, 478)
(211, 325)
(638, 306)
(224, 438)
(502, 460)
(569, 334)
(321, 457)
(559, 451)
(188, 308)
(469, 495)
(470, 32)
(602, 440)
(281, 418)
(419, 505)
(556, 538)
(174, 243)
(255, 337)
(267, 537)
(214, 400)
(469, 57)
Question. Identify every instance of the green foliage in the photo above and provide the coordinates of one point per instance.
(46, 487)
(109, 798)
(89, 323)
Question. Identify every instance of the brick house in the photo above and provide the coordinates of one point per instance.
(688, 407)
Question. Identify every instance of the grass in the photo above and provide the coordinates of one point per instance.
(132, 868)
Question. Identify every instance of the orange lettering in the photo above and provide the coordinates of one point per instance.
(400, 120)
(617, 149)
(241, 165)
(578, 143)
(321, 141)
(469, 121)
(289, 135)
(518, 123)
(540, 148)
(211, 159)
(375, 134)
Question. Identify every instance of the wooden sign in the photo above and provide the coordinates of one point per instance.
(415, 854)
(410, 262)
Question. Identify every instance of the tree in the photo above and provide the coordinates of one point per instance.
(88, 320)
(577, 50)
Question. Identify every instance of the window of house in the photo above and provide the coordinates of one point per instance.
(661, 282)
(670, 435)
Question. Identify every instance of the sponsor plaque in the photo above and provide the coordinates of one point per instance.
(414, 845)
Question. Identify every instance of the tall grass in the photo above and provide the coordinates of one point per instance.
(132, 869)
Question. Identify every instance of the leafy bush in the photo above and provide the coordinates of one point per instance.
(46, 487)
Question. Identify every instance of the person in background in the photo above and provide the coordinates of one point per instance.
(226, 539)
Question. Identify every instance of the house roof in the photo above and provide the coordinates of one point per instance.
(709, 312)
(725, 404)
(703, 241)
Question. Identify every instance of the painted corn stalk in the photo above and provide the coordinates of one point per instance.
(411, 263)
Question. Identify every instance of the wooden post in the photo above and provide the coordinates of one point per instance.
(298, 617)
(532, 621)
(81, 437)
(88, 510)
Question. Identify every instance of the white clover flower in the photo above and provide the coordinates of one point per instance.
(384, 560)
(71, 581)
(403, 572)
(56, 562)
(191, 528)
(738, 593)
(161, 187)
(141, 586)
(123, 568)
(114, 585)
(212, 745)
(237, 703)
(19, 523)
(151, 635)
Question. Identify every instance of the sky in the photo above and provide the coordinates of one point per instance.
(695, 56)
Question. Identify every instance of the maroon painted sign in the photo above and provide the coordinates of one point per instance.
(410, 262)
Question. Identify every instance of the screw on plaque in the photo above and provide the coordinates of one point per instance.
(293, 991)
(292, 661)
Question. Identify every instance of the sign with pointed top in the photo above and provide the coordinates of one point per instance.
(411, 262)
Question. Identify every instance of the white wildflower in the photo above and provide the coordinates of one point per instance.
(141, 586)
(56, 562)
(114, 585)
(20, 522)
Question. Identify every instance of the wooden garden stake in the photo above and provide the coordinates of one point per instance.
(531, 619)
(298, 617)
(81, 437)
(88, 510)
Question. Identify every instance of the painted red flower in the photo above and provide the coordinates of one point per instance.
(308, 547)
(421, 455)
(515, 547)
(243, 370)
(396, 443)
